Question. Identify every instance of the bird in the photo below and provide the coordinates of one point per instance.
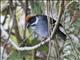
(39, 25)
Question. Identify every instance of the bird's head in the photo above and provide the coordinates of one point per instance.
(39, 24)
(30, 20)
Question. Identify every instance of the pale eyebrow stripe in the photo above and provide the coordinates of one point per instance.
(37, 19)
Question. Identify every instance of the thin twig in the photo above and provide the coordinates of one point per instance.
(13, 9)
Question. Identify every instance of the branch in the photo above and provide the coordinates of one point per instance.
(5, 35)
(69, 4)
(3, 6)
(13, 16)
(60, 15)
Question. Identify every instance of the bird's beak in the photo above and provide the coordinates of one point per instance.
(27, 25)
